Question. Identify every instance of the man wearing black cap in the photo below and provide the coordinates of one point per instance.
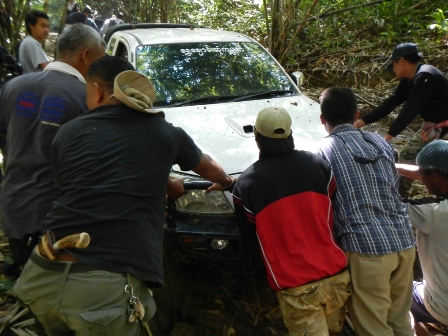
(424, 91)
(430, 297)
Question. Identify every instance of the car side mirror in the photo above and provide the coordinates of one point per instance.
(298, 78)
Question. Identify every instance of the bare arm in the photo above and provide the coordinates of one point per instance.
(407, 170)
(359, 123)
(212, 171)
(175, 188)
(388, 137)
(43, 65)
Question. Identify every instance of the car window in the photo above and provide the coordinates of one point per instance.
(186, 72)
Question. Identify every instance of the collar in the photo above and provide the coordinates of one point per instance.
(343, 128)
(64, 67)
(417, 69)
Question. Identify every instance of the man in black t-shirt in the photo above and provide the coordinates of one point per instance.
(112, 165)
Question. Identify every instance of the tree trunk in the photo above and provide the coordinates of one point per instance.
(276, 19)
(12, 15)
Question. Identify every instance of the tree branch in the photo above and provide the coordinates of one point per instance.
(326, 14)
(298, 31)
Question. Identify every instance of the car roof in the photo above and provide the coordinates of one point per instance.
(174, 33)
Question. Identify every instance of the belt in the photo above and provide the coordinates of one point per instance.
(75, 267)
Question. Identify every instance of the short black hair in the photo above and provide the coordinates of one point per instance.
(106, 69)
(338, 105)
(31, 19)
(274, 147)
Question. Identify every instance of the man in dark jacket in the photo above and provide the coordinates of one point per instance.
(424, 91)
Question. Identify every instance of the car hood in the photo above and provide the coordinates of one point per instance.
(224, 131)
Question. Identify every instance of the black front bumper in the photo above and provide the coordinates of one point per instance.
(203, 239)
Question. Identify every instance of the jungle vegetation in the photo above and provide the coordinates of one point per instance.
(295, 31)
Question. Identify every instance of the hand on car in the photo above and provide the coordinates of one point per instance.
(175, 188)
(218, 187)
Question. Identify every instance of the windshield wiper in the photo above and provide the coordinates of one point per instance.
(264, 94)
(215, 99)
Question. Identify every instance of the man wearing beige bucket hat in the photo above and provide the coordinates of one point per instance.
(112, 165)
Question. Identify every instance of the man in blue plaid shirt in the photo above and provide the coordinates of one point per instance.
(371, 223)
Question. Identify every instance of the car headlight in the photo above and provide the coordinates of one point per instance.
(197, 201)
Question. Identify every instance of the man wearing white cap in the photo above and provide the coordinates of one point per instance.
(284, 199)
(430, 299)
(112, 165)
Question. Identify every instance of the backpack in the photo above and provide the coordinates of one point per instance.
(9, 67)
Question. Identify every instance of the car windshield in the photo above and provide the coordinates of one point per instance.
(198, 73)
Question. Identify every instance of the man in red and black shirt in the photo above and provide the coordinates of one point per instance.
(284, 198)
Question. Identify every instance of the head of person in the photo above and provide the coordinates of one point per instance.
(87, 11)
(338, 106)
(432, 161)
(273, 132)
(404, 59)
(101, 78)
(120, 15)
(37, 25)
(79, 46)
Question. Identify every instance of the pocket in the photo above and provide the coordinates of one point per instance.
(300, 298)
(103, 317)
(22, 292)
(341, 293)
(370, 273)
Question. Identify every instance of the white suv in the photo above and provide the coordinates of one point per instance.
(213, 83)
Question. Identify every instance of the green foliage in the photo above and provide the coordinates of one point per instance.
(208, 70)
(440, 24)
(12, 15)
(55, 11)
(333, 25)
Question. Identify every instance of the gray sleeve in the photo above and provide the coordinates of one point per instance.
(422, 216)
(35, 54)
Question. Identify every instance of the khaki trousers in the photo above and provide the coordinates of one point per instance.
(382, 293)
(70, 299)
